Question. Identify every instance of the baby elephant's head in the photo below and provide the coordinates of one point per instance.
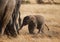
(25, 21)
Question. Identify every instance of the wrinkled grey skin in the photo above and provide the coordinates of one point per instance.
(33, 21)
(16, 16)
(3, 4)
(10, 29)
(6, 10)
(2, 8)
(15, 22)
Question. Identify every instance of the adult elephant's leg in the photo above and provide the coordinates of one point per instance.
(8, 14)
(19, 23)
(16, 15)
(3, 4)
(19, 20)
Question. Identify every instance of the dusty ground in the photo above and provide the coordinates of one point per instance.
(52, 15)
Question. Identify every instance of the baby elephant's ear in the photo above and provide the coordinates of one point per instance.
(26, 18)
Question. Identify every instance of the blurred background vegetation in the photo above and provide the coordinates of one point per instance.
(40, 1)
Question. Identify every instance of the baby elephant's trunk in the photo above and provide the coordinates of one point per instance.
(20, 27)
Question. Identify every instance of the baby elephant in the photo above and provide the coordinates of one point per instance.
(33, 21)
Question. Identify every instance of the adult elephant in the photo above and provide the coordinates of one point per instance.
(6, 10)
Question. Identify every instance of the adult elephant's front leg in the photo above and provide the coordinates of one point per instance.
(8, 15)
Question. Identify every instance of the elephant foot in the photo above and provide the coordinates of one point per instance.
(31, 32)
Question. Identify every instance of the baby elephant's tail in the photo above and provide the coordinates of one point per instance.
(47, 27)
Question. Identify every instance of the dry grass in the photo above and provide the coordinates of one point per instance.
(52, 16)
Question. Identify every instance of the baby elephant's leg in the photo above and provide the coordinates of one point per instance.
(31, 28)
(40, 29)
